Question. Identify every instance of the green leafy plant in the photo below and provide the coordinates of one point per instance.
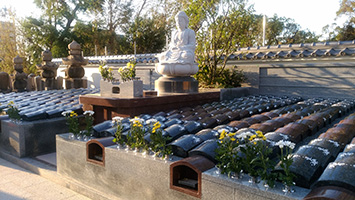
(228, 160)
(73, 121)
(136, 137)
(118, 134)
(106, 72)
(245, 151)
(158, 141)
(13, 111)
(89, 121)
(286, 161)
(128, 72)
(227, 78)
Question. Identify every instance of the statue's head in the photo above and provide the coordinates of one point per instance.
(182, 20)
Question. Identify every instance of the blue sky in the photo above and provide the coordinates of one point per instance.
(310, 14)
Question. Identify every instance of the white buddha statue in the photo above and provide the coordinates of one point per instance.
(179, 59)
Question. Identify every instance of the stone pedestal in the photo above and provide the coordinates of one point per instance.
(175, 69)
(31, 138)
(71, 83)
(179, 84)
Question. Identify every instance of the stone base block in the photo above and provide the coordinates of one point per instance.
(129, 89)
(183, 84)
(31, 138)
(74, 83)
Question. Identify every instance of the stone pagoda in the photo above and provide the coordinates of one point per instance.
(74, 71)
(20, 77)
(48, 71)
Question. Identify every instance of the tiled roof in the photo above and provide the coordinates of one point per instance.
(294, 51)
(117, 59)
(286, 51)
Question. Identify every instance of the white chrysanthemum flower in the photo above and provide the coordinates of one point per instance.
(151, 121)
(283, 143)
(89, 112)
(65, 113)
(223, 129)
(137, 119)
(117, 119)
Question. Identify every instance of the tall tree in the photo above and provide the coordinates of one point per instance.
(53, 30)
(117, 15)
(221, 27)
(282, 30)
(148, 33)
(8, 46)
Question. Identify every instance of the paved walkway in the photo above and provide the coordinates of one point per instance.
(17, 183)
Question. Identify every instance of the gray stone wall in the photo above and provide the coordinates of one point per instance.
(330, 78)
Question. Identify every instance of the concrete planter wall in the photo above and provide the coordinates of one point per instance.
(216, 186)
(31, 138)
(125, 175)
(130, 175)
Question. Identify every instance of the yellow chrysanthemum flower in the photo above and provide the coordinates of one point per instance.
(232, 139)
(260, 134)
(157, 125)
(231, 134)
(252, 137)
(223, 135)
(110, 69)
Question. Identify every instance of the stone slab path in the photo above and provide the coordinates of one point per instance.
(17, 183)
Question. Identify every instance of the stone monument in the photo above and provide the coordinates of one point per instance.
(5, 82)
(20, 78)
(177, 64)
(48, 70)
(74, 71)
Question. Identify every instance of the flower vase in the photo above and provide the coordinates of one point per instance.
(71, 136)
(86, 138)
(266, 186)
(253, 180)
(287, 189)
(79, 137)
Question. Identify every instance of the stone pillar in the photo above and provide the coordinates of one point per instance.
(5, 82)
(74, 71)
(48, 70)
(59, 83)
(39, 83)
(31, 85)
(20, 82)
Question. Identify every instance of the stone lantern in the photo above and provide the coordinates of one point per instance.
(74, 71)
(48, 70)
(20, 78)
